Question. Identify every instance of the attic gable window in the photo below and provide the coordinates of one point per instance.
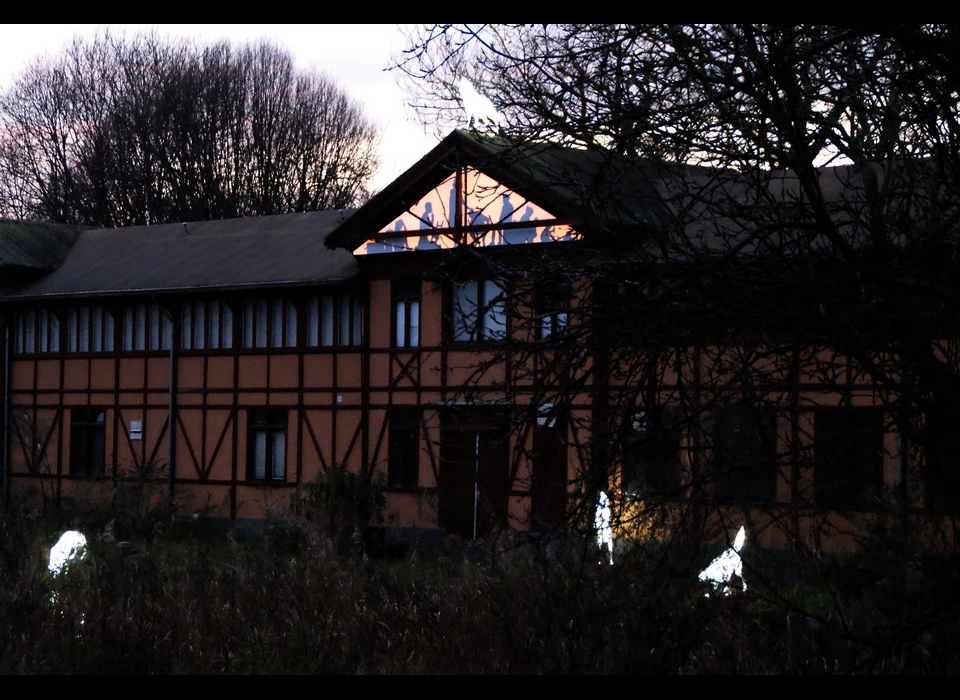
(37, 330)
(471, 203)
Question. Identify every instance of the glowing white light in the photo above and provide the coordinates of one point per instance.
(478, 107)
(726, 566)
(602, 524)
(71, 545)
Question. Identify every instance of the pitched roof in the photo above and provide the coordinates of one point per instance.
(561, 179)
(679, 210)
(285, 249)
(34, 245)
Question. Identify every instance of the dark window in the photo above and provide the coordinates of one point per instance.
(267, 444)
(651, 454)
(403, 466)
(478, 311)
(87, 441)
(552, 307)
(940, 446)
(744, 467)
(848, 457)
(406, 313)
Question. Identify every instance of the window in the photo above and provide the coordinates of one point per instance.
(552, 307)
(940, 445)
(266, 444)
(651, 454)
(478, 311)
(404, 459)
(406, 313)
(146, 327)
(37, 330)
(744, 468)
(269, 323)
(335, 319)
(87, 441)
(89, 329)
(206, 325)
(848, 463)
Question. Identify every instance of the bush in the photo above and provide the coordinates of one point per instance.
(345, 504)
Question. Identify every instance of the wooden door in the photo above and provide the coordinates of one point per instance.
(474, 474)
(548, 492)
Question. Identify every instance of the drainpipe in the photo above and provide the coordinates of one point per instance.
(171, 392)
(903, 444)
(476, 481)
(171, 426)
(6, 410)
(904, 423)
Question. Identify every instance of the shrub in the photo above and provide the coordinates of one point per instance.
(345, 504)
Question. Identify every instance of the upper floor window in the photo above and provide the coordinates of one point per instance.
(269, 323)
(848, 457)
(478, 311)
(206, 325)
(37, 330)
(89, 329)
(552, 308)
(334, 319)
(406, 313)
(146, 327)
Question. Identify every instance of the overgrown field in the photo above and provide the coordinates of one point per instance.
(290, 601)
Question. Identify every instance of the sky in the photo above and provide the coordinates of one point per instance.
(355, 55)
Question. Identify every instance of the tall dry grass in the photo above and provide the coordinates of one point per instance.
(186, 604)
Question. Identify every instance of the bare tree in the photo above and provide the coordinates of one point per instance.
(116, 131)
(773, 233)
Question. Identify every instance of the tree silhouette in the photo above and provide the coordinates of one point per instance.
(767, 281)
(117, 132)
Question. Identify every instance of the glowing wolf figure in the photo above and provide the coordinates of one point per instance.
(71, 545)
(726, 566)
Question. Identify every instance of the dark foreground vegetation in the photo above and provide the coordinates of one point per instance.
(300, 599)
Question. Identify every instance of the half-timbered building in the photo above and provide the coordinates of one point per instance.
(241, 358)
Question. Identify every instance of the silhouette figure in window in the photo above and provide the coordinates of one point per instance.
(426, 219)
